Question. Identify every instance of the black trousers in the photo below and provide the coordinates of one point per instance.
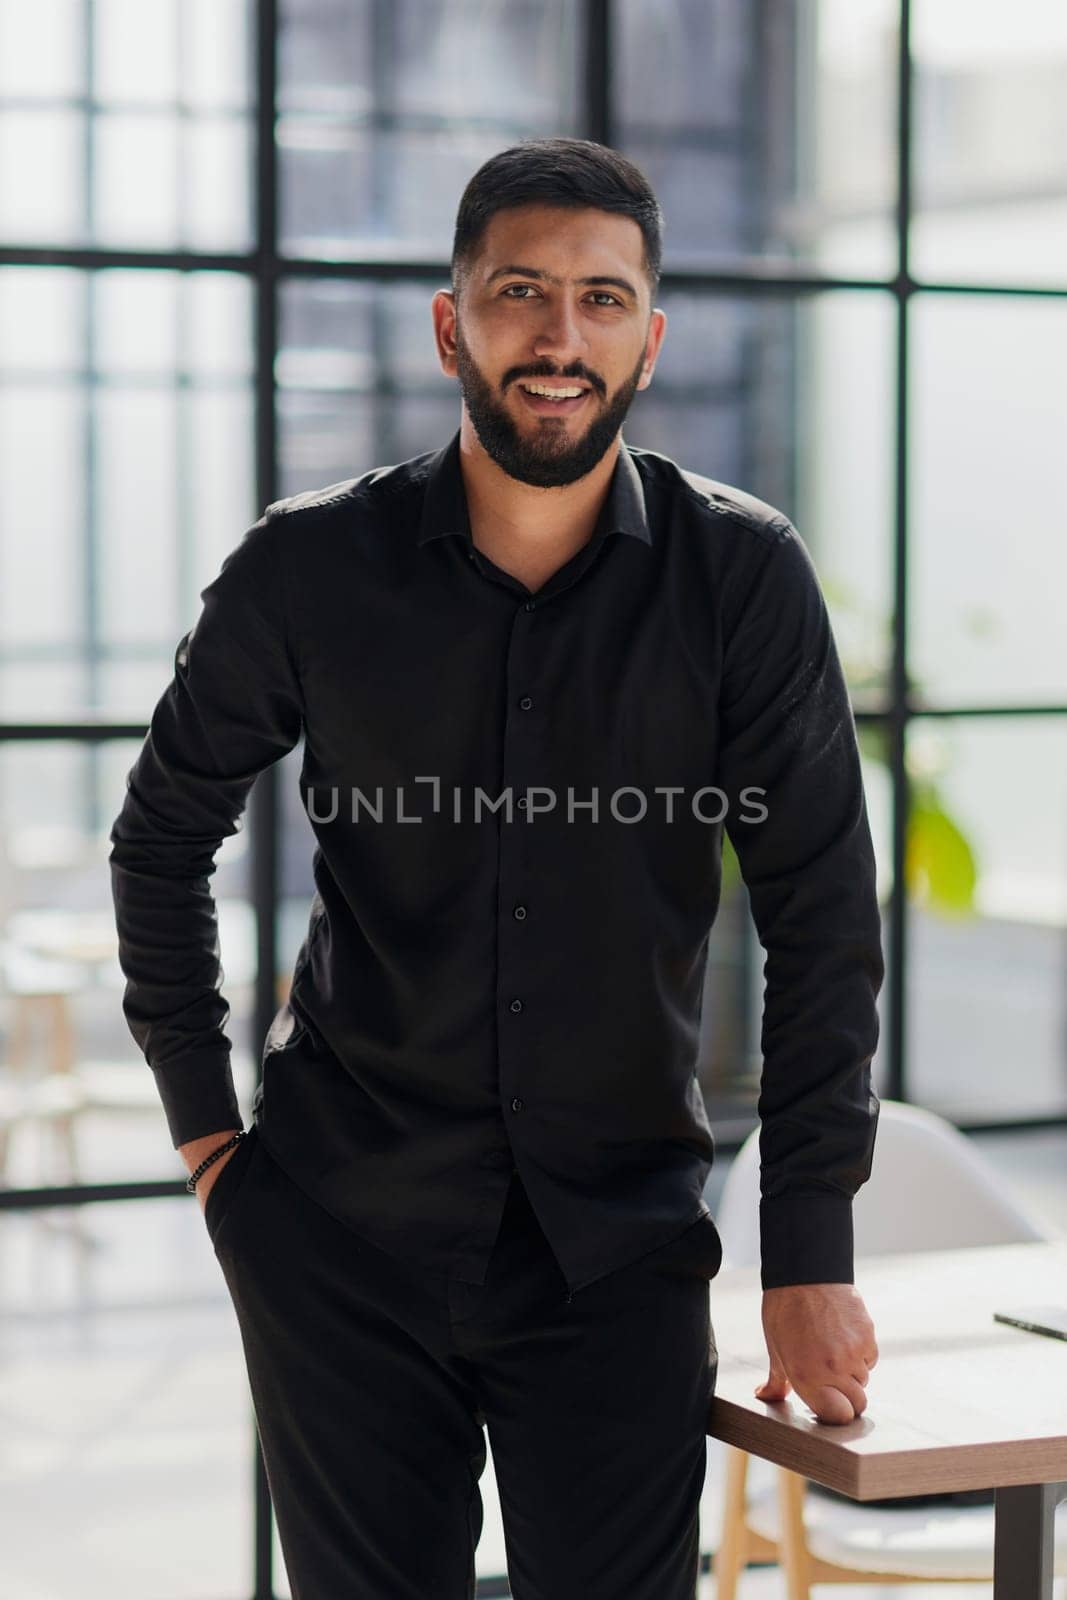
(373, 1381)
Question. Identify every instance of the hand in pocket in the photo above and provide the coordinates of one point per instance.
(197, 1150)
(207, 1180)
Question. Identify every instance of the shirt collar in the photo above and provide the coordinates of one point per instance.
(444, 507)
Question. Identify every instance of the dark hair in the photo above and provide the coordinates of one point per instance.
(557, 172)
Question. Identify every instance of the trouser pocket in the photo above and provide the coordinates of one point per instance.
(697, 1252)
(227, 1185)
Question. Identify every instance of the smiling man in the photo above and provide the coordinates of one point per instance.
(537, 671)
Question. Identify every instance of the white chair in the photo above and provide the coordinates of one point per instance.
(930, 1189)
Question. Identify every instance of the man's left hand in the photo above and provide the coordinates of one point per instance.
(820, 1340)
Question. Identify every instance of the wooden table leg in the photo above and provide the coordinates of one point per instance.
(730, 1557)
(793, 1544)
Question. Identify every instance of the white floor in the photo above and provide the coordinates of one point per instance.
(125, 1442)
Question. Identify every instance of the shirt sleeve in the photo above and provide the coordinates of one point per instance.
(787, 729)
(232, 708)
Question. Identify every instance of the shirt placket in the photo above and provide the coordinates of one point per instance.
(526, 712)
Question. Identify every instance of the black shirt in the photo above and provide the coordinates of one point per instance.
(518, 799)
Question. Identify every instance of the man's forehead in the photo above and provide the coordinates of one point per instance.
(613, 250)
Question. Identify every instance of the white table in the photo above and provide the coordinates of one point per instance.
(955, 1401)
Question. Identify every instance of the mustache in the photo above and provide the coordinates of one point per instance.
(560, 377)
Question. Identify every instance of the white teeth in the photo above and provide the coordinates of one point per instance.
(552, 394)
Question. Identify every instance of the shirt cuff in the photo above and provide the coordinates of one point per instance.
(198, 1097)
(806, 1237)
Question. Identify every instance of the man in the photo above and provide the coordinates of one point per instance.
(536, 672)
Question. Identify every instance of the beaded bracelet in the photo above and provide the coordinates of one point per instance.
(234, 1139)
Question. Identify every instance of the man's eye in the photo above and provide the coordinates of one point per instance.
(598, 294)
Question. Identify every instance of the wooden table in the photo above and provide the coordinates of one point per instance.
(956, 1400)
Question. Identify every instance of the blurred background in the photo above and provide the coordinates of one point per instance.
(221, 223)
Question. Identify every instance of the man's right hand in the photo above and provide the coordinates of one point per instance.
(820, 1341)
(197, 1149)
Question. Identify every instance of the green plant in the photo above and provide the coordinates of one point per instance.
(940, 866)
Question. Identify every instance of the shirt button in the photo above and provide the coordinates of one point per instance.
(516, 1005)
(522, 802)
(526, 702)
(519, 913)
(516, 1104)
(528, 606)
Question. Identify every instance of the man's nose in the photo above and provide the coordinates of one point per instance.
(560, 337)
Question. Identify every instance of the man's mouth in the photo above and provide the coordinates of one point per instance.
(550, 398)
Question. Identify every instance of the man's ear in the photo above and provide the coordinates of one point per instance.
(443, 312)
(657, 327)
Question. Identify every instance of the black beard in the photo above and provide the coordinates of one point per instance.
(546, 459)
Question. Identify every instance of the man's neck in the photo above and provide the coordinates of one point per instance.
(526, 531)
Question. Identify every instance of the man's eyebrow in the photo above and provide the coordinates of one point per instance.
(548, 277)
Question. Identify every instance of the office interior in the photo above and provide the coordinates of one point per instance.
(221, 223)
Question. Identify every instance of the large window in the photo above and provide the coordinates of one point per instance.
(221, 223)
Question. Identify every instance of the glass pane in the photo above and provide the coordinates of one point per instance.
(218, 330)
(218, 181)
(777, 136)
(135, 50)
(218, 68)
(988, 556)
(167, 163)
(91, 581)
(325, 56)
(41, 320)
(155, 322)
(202, 173)
(34, 690)
(69, 1053)
(136, 467)
(342, 347)
(387, 111)
(323, 438)
(792, 400)
(217, 488)
(990, 141)
(444, 58)
(988, 883)
(136, 321)
(41, 191)
(42, 49)
(43, 449)
(137, 180)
